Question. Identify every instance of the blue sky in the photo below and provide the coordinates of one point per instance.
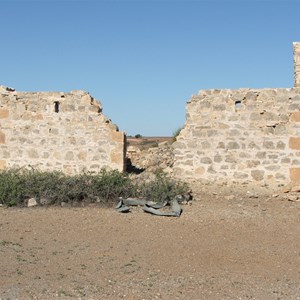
(144, 59)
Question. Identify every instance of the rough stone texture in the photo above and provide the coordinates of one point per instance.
(154, 158)
(241, 136)
(297, 64)
(57, 131)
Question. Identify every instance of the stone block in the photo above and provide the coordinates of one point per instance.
(205, 145)
(2, 164)
(285, 160)
(221, 145)
(116, 157)
(295, 117)
(2, 138)
(117, 136)
(268, 145)
(69, 155)
(57, 155)
(280, 145)
(294, 143)
(33, 153)
(217, 158)
(4, 113)
(240, 175)
(258, 175)
(295, 175)
(199, 171)
(233, 145)
(261, 155)
(206, 160)
(273, 168)
(253, 163)
(46, 155)
(82, 155)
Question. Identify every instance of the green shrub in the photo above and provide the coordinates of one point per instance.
(12, 186)
(16, 186)
(162, 188)
(176, 133)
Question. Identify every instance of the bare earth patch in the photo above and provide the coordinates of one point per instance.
(220, 248)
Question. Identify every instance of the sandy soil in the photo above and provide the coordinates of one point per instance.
(222, 247)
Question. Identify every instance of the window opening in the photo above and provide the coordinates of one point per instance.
(56, 106)
(238, 104)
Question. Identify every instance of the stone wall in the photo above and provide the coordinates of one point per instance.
(57, 131)
(241, 136)
(297, 64)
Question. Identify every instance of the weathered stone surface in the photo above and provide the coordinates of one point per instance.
(294, 143)
(259, 144)
(257, 175)
(58, 131)
(295, 117)
(156, 158)
(2, 164)
(295, 176)
(2, 138)
(4, 113)
(32, 202)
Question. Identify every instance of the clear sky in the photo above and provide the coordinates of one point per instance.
(144, 59)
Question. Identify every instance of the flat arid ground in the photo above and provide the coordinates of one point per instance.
(224, 246)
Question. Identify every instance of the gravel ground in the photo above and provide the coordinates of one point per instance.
(224, 246)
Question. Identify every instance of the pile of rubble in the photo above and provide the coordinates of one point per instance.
(160, 157)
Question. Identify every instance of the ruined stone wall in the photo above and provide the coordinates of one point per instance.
(57, 131)
(296, 64)
(241, 136)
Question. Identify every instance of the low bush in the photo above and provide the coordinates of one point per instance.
(162, 188)
(17, 186)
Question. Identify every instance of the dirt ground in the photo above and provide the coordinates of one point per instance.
(232, 246)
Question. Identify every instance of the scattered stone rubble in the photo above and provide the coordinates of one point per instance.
(152, 159)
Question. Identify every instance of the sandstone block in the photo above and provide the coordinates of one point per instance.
(285, 160)
(2, 138)
(199, 171)
(230, 159)
(205, 145)
(57, 155)
(206, 160)
(2, 164)
(233, 145)
(82, 155)
(69, 155)
(295, 117)
(280, 145)
(117, 136)
(46, 155)
(217, 158)
(272, 168)
(261, 155)
(33, 153)
(116, 157)
(294, 143)
(268, 145)
(295, 175)
(240, 175)
(253, 163)
(4, 113)
(258, 175)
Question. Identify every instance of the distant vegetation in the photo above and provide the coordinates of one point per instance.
(50, 188)
(176, 132)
